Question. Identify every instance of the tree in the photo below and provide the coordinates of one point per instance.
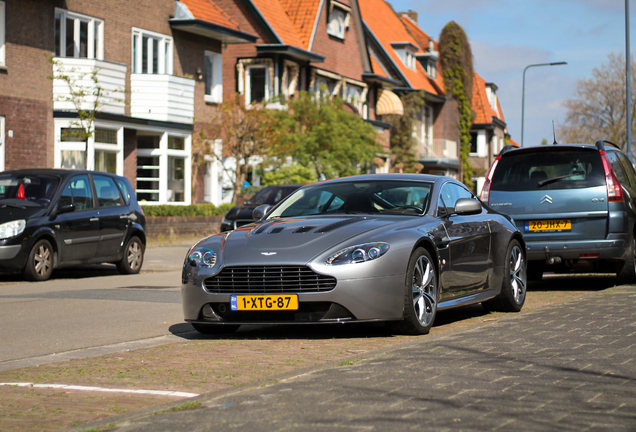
(402, 140)
(293, 173)
(456, 60)
(320, 133)
(247, 132)
(598, 110)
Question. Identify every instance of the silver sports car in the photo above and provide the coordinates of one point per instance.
(384, 247)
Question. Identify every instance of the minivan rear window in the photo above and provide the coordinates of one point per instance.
(563, 168)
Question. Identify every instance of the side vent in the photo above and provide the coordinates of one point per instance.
(263, 228)
(337, 225)
(303, 229)
(276, 230)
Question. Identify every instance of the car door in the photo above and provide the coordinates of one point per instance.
(469, 244)
(77, 230)
(114, 216)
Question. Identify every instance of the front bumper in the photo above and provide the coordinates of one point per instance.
(354, 300)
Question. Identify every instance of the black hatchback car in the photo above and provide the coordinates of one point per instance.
(242, 215)
(52, 218)
(574, 204)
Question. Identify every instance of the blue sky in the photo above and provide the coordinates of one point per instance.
(508, 35)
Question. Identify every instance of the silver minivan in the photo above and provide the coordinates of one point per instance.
(574, 205)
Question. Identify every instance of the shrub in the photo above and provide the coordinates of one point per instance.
(189, 210)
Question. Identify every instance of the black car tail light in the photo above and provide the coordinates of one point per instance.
(485, 192)
(614, 189)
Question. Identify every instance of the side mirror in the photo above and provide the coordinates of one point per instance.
(467, 206)
(261, 211)
(58, 209)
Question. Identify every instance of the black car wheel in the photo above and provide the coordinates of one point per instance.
(627, 269)
(421, 292)
(39, 264)
(213, 329)
(133, 257)
(513, 288)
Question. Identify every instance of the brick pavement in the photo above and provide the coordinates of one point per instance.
(562, 368)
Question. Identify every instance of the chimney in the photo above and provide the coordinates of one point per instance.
(411, 14)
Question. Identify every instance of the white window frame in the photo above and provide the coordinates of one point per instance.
(215, 95)
(338, 21)
(2, 33)
(165, 48)
(248, 82)
(90, 145)
(95, 31)
(163, 153)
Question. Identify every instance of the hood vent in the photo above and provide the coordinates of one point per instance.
(276, 230)
(304, 229)
(337, 225)
(263, 227)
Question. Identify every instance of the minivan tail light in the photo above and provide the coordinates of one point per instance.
(614, 189)
(485, 192)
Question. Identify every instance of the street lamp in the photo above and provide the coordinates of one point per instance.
(523, 89)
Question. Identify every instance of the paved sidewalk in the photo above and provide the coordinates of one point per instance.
(569, 367)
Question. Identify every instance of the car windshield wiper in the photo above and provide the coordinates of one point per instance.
(12, 205)
(555, 179)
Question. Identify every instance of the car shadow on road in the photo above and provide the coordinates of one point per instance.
(80, 272)
(573, 282)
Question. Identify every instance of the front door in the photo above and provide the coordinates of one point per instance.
(77, 230)
(469, 244)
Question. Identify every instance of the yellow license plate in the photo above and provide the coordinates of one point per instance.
(549, 225)
(264, 302)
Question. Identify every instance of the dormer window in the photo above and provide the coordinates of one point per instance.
(338, 21)
(491, 92)
(406, 53)
(428, 60)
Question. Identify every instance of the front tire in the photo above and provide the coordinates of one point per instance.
(133, 257)
(513, 289)
(39, 266)
(420, 295)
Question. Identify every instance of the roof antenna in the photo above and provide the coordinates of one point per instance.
(554, 134)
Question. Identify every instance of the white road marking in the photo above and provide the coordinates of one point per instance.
(102, 389)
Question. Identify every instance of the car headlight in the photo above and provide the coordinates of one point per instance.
(12, 229)
(202, 257)
(358, 254)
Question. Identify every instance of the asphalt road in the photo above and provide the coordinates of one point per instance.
(88, 307)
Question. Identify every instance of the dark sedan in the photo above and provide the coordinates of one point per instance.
(242, 215)
(53, 218)
(392, 247)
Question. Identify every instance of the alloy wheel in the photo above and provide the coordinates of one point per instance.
(517, 274)
(424, 291)
(42, 259)
(134, 255)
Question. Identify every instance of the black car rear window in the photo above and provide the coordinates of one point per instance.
(562, 168)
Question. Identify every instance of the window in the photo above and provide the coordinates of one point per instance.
(77, 192)
(107, 192)
(290, 78)
(78, 36)
(152, 52)
(213, 77)
(407, 57)
(256, 83)
(338, 20)
(473, 142)
(2, 33)
(449, 195)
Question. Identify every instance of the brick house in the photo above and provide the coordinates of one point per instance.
(407, 55)
(152, 62)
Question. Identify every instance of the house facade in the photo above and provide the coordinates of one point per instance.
(142, 68)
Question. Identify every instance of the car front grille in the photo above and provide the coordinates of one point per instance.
(268, 279)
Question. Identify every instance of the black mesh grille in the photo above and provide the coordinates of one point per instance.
(268, 279)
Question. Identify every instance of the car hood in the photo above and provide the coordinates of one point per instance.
(8, 214)
(298, 240)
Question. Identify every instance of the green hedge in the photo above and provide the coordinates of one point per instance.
(189, 210)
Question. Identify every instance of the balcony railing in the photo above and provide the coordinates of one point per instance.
(162, 97)
(80, 89)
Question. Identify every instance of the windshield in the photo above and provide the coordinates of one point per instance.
(359, 197)
(27, 190)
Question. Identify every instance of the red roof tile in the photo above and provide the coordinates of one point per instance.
(387, 28)
(423, 40)
(276, 16)
(481, 105)
(207, 10)
(303, 14)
